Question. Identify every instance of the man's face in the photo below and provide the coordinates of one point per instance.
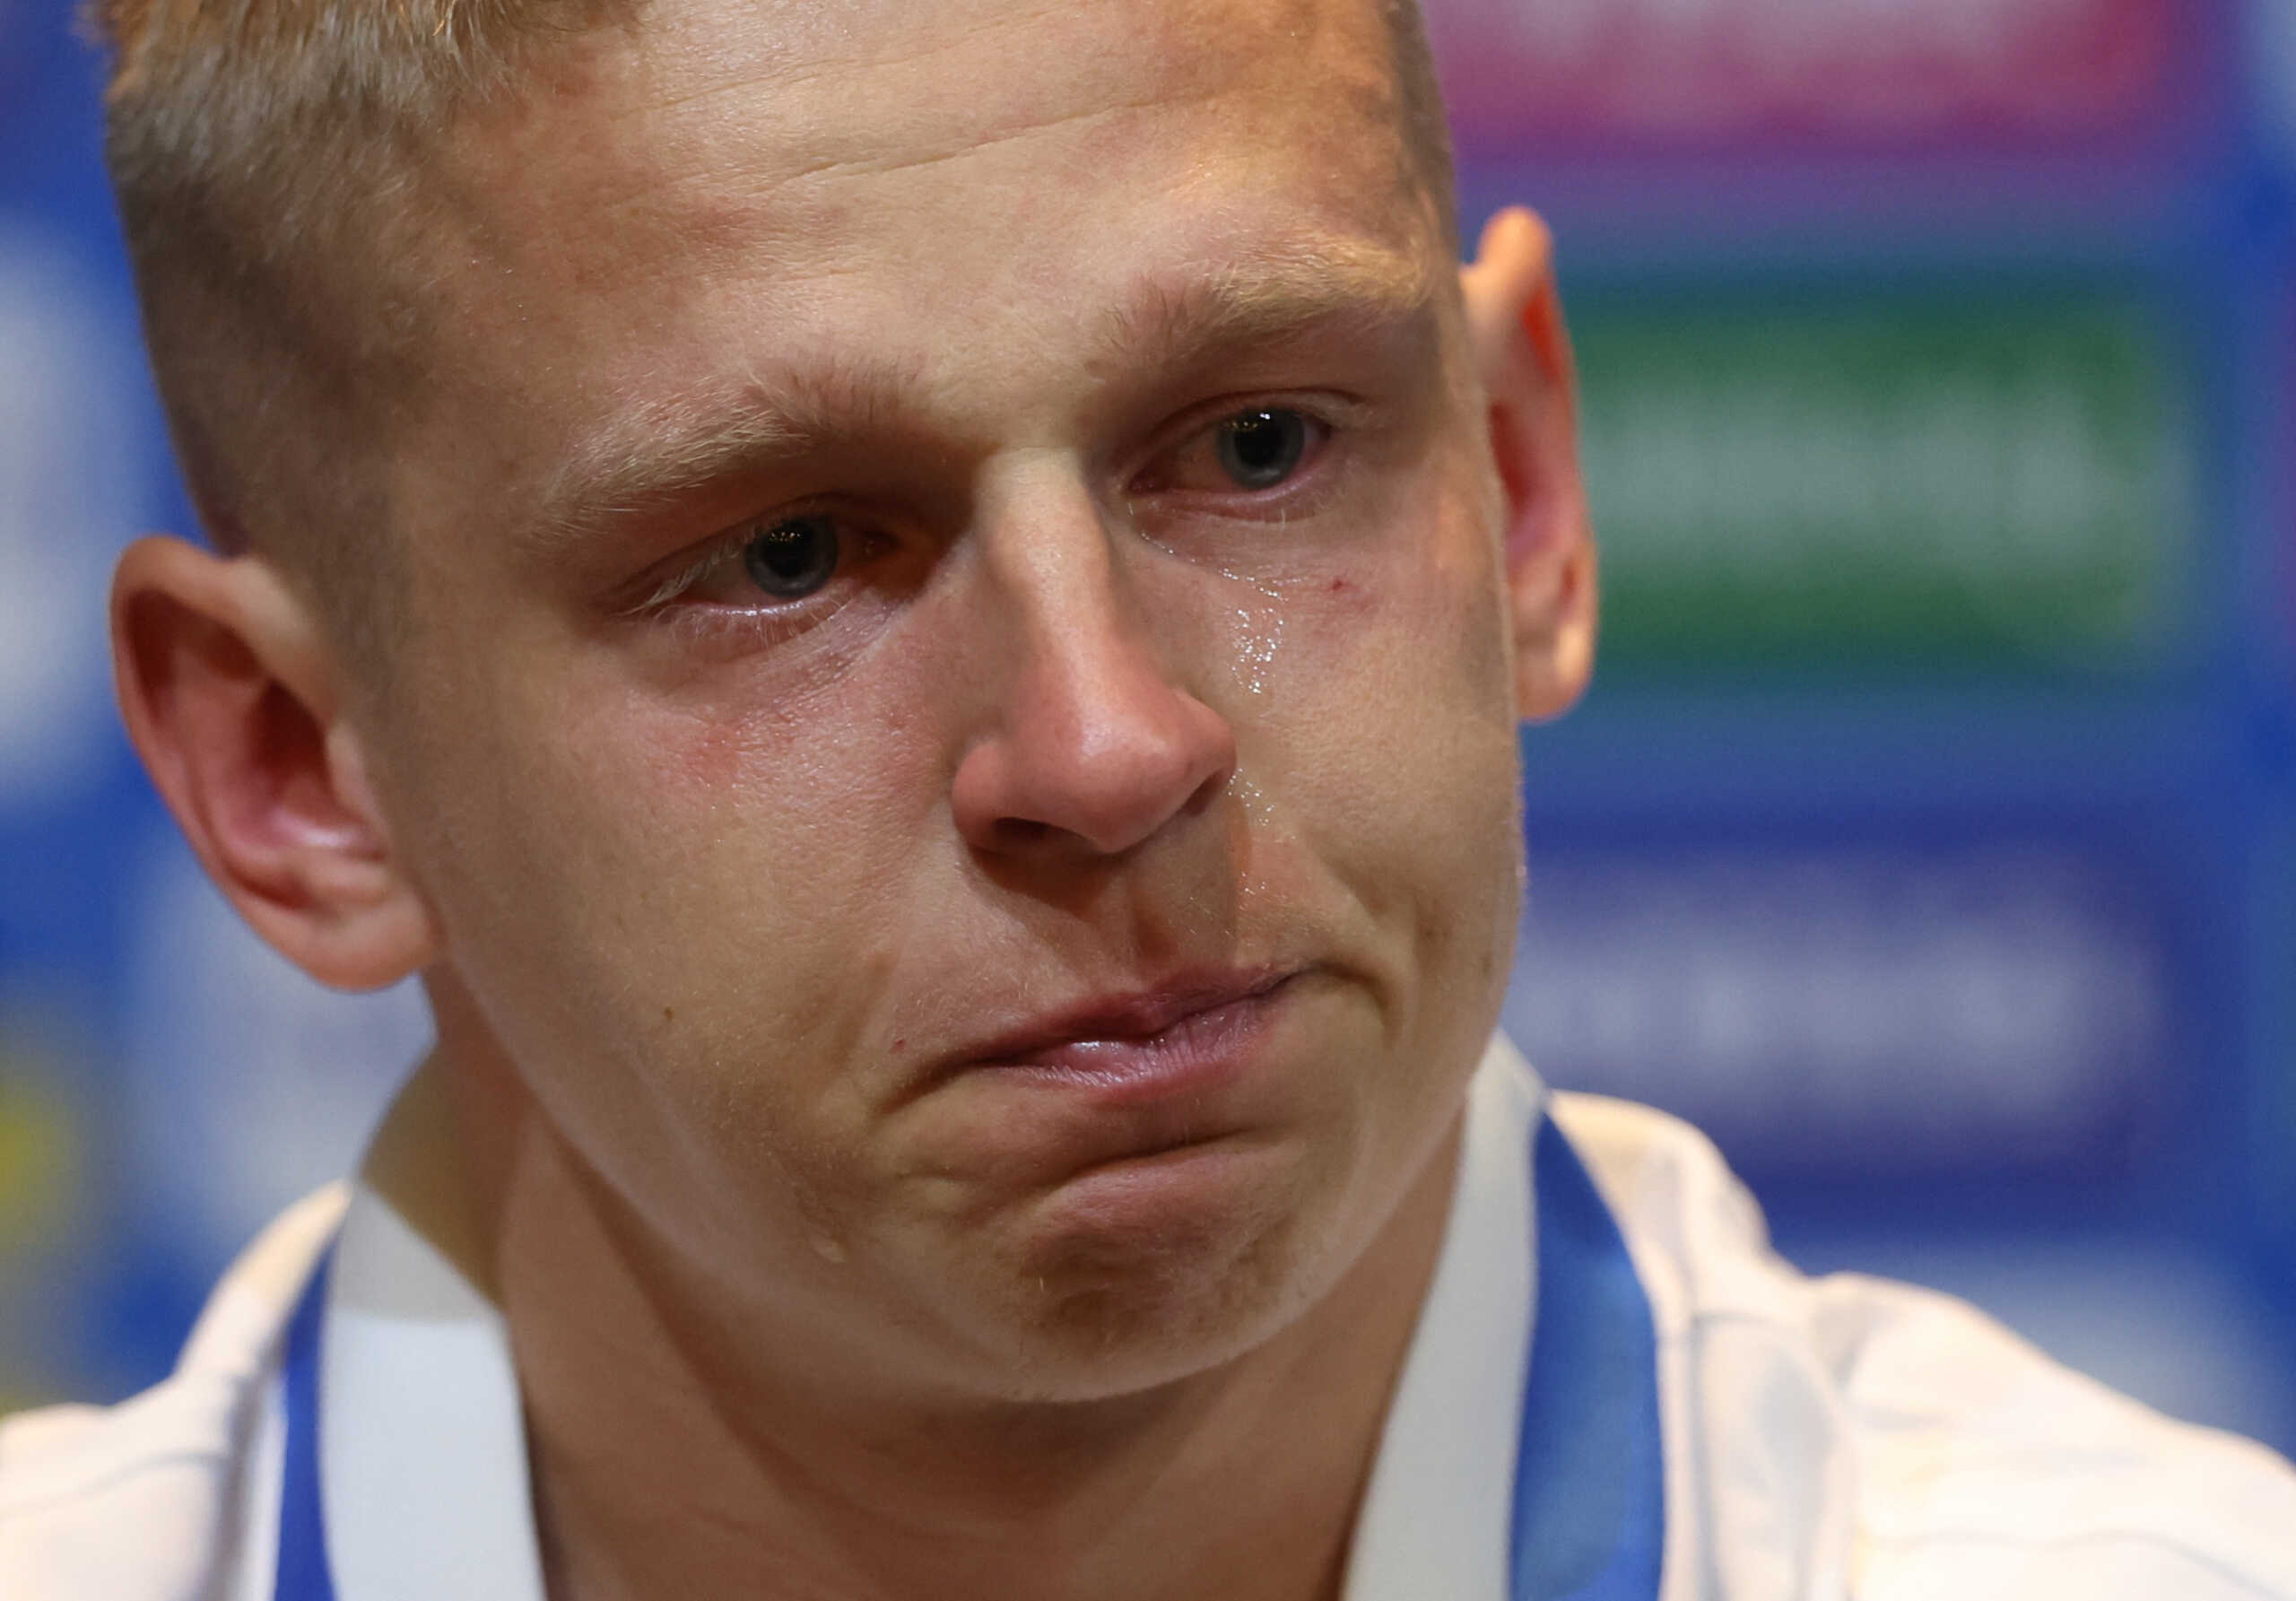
(941, 531)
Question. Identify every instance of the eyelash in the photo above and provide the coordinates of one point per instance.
(665, 593)
(676, 584)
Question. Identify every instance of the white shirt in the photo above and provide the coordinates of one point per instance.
(1832, 1438)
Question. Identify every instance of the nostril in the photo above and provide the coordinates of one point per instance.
(1014, 832)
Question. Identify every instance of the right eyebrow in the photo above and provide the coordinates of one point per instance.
(654, 453)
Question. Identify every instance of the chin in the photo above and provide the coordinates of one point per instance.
(1132, 1280)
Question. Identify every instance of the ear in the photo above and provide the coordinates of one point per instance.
(231, 696)
(1523, 354)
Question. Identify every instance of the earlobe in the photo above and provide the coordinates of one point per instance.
(1522, 355)
(230, 695)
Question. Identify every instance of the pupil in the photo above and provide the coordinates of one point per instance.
(792, 557)
(1258, 450)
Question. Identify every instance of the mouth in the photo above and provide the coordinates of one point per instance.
(1181, 1037)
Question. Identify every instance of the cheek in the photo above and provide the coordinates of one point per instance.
(759, 863)
(672, 910)
(684, 931)
(1389, 735)
(1403, 651)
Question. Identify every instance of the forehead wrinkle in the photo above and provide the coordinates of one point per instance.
(962, 146)
(866, 149)
(648, 453)
(644, 193)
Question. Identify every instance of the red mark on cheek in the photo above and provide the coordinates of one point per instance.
(1351, 595)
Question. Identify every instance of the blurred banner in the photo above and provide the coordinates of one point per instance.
(1527, 77)
(1930, 839)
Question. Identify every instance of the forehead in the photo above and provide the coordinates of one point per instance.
(728, 181)
(796, 103)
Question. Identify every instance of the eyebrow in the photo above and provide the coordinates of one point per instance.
(1262, 299)
(649, 454)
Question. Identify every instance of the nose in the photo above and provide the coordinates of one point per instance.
(1090, 743)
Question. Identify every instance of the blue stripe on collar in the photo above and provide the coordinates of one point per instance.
(1589, 1479)
(302, 1573)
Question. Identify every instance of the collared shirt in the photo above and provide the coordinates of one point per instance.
(1833, 1437)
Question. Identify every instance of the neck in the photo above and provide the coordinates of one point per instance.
(669, 1458)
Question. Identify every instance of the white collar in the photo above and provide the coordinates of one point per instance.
(423, 1447)
(423, 1474)
(1438, 1514)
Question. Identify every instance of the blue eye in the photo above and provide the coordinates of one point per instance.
(792, 557)
(1261, 450)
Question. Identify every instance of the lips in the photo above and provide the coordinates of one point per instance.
(1182, 1036)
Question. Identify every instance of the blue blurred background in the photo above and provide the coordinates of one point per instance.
(1930, 838)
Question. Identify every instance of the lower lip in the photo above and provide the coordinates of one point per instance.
(1199, 1053)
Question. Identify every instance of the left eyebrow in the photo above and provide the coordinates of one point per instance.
(1170, 320)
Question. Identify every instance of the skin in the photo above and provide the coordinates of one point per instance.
(710, 892)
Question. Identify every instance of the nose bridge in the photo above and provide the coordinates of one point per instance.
(1069, 626)
(1092, 735)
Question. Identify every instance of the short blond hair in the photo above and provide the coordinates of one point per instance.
(268, 157)
(264, 155)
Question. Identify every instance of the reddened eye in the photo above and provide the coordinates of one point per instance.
(1248, 452)
(793, 557)
(1259, 449)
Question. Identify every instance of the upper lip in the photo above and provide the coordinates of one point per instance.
(1133, 1015)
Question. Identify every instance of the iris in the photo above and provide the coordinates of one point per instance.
(792, 557)
(1261, 450)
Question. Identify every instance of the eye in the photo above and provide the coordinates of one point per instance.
(1248, 452)
(1260, 450)
(792, 557)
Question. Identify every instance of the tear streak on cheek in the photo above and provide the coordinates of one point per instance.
(1312, 627)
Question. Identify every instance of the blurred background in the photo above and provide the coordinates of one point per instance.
(1930, 836)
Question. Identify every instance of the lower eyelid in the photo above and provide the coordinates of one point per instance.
(746, 628)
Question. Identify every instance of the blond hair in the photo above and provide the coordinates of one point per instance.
(266, 156)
